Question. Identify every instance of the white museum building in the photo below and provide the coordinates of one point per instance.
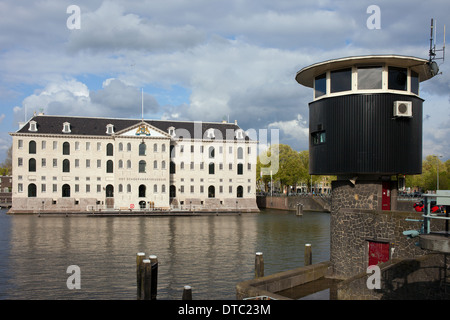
(76, 164)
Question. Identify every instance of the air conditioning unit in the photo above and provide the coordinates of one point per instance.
(402, 109)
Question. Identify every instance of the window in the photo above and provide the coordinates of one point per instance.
(211, 152)
(55, 163)
(142, 149)
(33, 126)
(44, 145)
(99, 146)
(211, 192)
(120, 164)
(19, 162)
(43, 162)
(142, 165)
(397, 78)
(88, 163)
(88, 146)
(239, 192)
(19, 187)
(163, 188)
(77, 163)
(240, 168)
(172, 191)
(99, 163)
(66, 191)
(109, 191)
(120, 188)
(414, 82)
(155, 164)
(32, 147)
(88, 188)
(210, 133)
(369, 78)
(163, 148)
(128, 146)
(155, 188)
(32, 190)
(155, 147)
(55, 145)
(172, 167)
(182, 165)
(120, 146)
(32, 165)
(129, 188)
(192, 189)
(66, 165)
(240, 134)
(341, 80)
(240, 153)
(109, 149)
(320, 85)
(43, 187)
(211, 168)
(109, 166)
(66, 148)
(163, 165)
(318, 137)
(109, 129)
(20, 144)
(66, 127)
(128, 164)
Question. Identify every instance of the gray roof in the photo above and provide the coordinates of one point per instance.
(97, 126)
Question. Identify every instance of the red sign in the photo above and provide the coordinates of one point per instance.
(132, 206)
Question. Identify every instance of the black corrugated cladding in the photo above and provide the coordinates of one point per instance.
(364, 137)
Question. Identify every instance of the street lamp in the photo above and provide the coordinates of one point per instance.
(437, 180)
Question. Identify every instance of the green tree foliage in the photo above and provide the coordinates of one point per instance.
(6, 166)
(293, 167)
(428, 179)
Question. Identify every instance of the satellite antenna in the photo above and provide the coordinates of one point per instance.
(434, 68)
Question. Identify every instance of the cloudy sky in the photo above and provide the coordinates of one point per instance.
(203, 59)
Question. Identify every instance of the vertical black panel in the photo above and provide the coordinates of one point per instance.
(363, 136)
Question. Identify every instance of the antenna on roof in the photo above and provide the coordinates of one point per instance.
(434, 68)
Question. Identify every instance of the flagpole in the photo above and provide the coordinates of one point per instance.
(142, 107)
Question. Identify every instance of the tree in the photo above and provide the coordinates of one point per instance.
(428, 179)
(6, 166)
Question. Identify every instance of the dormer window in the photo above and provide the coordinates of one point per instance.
(33, 126)
(171, 131)
(109, 129)
(239, 134)
(210, 133)
(66, 127)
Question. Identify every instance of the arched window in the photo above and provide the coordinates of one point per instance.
(66, 165)
(163, 188)
(32, 190)
(155, 147)
(66, 191)
(155, 188)
(240, 192)
(66, 148)
(142, 165)
(142, 149)
(32, 165)
(172, 167)
(32, 147)
(109, 166)
(163, 148)
(211, 192)
(109, 149)
(109, 191)
(129, 188)
(128, 164)
(173, 191)
(120, 164)
(240, 153)
(142, 191)
(211, 152)
(128, 146)
(211, 168)
(120, 146)
(163, 165)
(155, 164)
(240, 168)
(120, 188)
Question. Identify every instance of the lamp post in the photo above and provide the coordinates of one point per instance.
(437, 173)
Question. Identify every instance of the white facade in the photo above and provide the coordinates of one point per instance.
(73, 164)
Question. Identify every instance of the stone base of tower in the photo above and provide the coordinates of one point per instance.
(365, 226)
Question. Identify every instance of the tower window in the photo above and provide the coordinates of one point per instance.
(318, 137)
(397, 78)
(341, 80)
(370, 77)
(320, 85)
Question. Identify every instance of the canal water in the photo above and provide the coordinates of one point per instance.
(209, 253)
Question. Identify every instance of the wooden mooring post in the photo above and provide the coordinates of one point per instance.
(259, 265)
(308, 254)
(139, 271)
(187, 293)
(146, 277)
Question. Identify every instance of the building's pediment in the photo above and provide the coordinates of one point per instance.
(142, 129)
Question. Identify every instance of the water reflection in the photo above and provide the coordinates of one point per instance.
(209, 253)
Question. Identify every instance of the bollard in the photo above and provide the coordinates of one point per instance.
(154, 261)
(139, 269)
(259, 265)
(187, 293)
(147, 280)
(308, 254)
